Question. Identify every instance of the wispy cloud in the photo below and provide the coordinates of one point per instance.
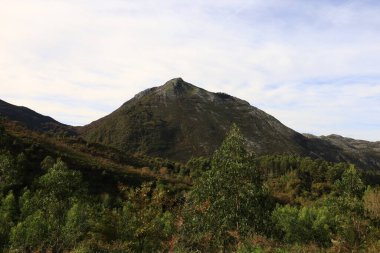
(312, 64)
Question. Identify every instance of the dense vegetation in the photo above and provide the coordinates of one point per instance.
(236, 202)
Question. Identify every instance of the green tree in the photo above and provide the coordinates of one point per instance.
(50, 213)
(62, 182)
(145, 224)
(351, 183)
(47, 163)
(306, 224)
(76, 225)
(197, 166)
(8, 214)
(31, 234)
(229, 201)
(371, 203)
(12, 171)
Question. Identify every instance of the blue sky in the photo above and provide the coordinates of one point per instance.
(314, 65)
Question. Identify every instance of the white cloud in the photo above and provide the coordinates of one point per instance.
(272, 53)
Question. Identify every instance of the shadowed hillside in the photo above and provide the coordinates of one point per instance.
(32, 119)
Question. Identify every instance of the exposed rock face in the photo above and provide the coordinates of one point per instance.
(179, 120)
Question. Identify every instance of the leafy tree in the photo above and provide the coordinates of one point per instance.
(61, 182)
(306, 224)
(197, 166)
(371, 203)
(77, 225)
(47, 163)
(351, 183)
(104, 227)
(50, 213)
(8, 214)
(31, 234)
(145, 224)
(12, 171)
(229, 201)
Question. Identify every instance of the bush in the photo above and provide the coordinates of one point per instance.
(304, 225)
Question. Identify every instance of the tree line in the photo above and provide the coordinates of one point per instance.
(238, 202)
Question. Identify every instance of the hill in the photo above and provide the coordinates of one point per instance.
(33, 120)
(364, 154)
(179, 120)
(61, 193)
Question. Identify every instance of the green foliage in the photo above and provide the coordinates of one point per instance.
(197, 166)
(306, 224)
(12, 171)
(47, 205)
(50, 217)
(351, 183)
(249, 248)
(145, 225)
(61, 182)
(76, 225)
(8, 215)
(371, 203)
(229, 201)
(32, 233)
(47, 163)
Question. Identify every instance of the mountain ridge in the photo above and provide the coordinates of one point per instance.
(190, 118)
(179, 120)
(33, 120)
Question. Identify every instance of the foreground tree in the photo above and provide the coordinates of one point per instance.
(372, 204)
(8, 214)
(228, 202)
(306, 224)
(145, 225)
(50, 215)
(351, 184)
(12, 171)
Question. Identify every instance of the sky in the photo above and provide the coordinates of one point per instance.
(314, 65)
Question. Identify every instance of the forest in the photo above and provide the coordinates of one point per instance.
(233, 201)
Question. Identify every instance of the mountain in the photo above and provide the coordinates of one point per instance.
(364, 154)
(33, 120)
(179, 120)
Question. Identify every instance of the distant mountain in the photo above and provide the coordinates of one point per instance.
(364, 154)
(179, 120)
(32, 119)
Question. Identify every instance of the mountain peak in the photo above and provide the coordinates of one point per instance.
(175, 82)
(173, 87)
(177, 86)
